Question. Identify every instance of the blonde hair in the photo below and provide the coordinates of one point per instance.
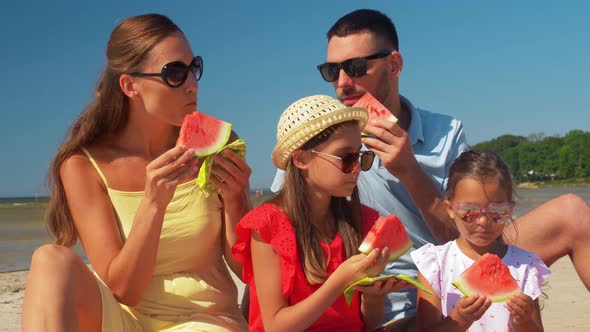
(294, 200)
(127, 49)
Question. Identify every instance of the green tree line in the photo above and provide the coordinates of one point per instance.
(540, 158)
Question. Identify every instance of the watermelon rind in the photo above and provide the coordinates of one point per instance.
(238, 146)
(462, 286)
(366, 248)
(375, 108)
(198, 128)
(387, 231)
(367, 281)
(218, 144)
(488, 270)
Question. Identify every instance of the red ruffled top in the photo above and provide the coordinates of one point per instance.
(275, 229)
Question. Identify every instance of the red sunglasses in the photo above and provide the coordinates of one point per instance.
(498, 213)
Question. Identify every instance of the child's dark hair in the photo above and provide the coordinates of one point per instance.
(480, 165)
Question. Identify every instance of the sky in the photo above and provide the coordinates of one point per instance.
(501, 67)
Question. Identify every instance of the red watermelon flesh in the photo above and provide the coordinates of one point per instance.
(203, 133)
(376, 110)
(387, 232)
(488, 276)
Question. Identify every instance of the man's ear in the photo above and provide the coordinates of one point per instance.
(396, 62)
(128, 85)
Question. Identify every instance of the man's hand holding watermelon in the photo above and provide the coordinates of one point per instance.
(385, 136)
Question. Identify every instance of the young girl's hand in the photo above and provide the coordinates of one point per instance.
(383, 287)
(470, 308)
(361, 266)
(521, 308)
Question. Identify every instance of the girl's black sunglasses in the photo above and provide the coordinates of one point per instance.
(174, 74)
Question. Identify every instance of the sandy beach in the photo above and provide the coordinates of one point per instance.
(567, 307)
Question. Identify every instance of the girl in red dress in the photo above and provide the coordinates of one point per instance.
(299, 251)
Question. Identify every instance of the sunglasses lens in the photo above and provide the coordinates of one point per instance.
(499, 213)
(468, 213)
(175, 73)
(349, 162)
(329, 71)
(197, 67)
(355, 67)
(367, 160)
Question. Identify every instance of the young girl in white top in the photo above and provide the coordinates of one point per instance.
(479, 200)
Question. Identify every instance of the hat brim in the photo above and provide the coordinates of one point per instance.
(305, 131)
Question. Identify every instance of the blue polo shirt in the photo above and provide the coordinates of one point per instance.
(437, 140)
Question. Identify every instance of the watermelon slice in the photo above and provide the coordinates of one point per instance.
(376, 110)
(203, 133)
(349, 291)
(387, 232)
(488, 276)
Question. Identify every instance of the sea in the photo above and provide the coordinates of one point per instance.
(22, 229)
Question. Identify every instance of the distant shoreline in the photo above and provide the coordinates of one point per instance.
(265, 191)
(541, 184)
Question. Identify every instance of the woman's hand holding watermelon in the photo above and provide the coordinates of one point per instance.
(231, 174)
(164, 173)
(469, 309)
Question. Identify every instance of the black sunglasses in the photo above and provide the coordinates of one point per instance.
(355, 67)
(351, 160)
(174, 74)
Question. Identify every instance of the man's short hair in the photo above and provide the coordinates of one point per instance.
(366, 20)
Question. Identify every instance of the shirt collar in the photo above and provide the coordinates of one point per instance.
(415, 130)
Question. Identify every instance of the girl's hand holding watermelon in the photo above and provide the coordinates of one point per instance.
(522, 308)
(470, 309)
(383, 287)
(361, 266)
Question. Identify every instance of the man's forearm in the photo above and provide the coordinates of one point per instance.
(430, 202)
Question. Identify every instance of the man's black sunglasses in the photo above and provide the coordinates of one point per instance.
(174, 74)
(355, 67)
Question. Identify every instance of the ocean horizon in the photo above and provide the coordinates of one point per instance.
(22, 228)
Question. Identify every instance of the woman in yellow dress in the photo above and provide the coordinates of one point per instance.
(155, 240)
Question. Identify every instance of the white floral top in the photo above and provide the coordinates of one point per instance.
(443, 264)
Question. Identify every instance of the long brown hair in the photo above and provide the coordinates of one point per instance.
(294, 201)
(127, 49)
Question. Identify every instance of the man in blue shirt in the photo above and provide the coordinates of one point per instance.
(409, 176)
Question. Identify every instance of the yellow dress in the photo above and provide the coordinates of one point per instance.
(204, 299)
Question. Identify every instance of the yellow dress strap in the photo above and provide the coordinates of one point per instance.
(104, 179)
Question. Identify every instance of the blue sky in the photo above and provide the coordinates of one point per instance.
(502, 67)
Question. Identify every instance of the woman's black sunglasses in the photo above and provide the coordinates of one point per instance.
(174, 74)
(355, 67)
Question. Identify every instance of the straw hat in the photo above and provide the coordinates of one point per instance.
(308, 117)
